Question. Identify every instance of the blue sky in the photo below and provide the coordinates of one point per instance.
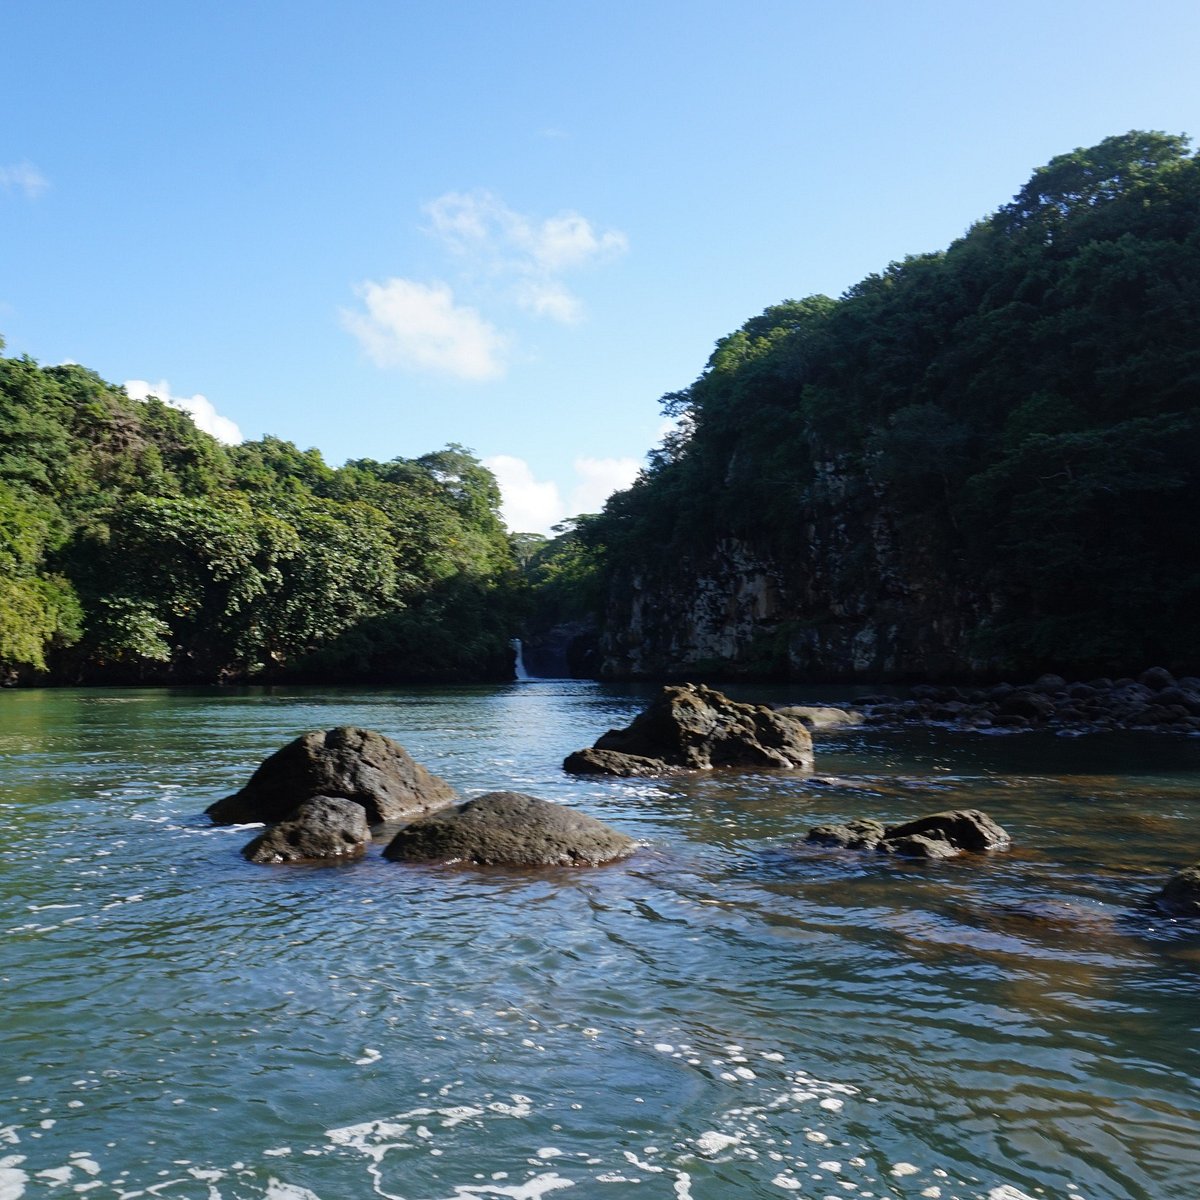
(376, 228)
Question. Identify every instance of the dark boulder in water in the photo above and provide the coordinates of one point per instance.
(963, 828)
(692, 727)
(324, 828)
(346, 762)
(512, 830)
(938, 835)
(1181, 895)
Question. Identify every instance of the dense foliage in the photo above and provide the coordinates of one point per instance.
(1018, 417)
(134, 546)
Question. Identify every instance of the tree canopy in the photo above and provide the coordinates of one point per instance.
(134, 546)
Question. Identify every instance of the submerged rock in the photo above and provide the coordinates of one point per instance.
(612, 762)
(509, 829)
(348, 763)
(859, 834)
(1181, 895)
(938, 835)
(818, 717)
(692, 727)
(324, 827)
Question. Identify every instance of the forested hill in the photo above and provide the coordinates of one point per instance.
(134, 547)
(978, 462)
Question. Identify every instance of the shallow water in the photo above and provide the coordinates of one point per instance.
(725, 1015)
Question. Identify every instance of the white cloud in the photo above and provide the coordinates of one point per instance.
(546, 298)
(531, 505)
(530, 254)
(598, 479)
(528, 506)
(198, 407)
(23, 177)
(410, 324)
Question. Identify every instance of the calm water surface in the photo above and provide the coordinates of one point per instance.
(723, 1016)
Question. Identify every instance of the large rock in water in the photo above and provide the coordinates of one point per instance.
(347, 762)
(324, 828)
(509, 829)
(939, 835)
(692, 727)
(1181, 896)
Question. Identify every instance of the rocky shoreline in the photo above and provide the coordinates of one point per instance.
(1155, 701)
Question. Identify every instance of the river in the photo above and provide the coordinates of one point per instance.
(725, 1015)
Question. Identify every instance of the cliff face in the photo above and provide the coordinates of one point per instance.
(862, 597)
(978, 462)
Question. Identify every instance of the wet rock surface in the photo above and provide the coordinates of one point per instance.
(324, 828)
(1156, 700)
(510, 829)
(938, 835)
(692, 727)
(1181, 895)
(346, 762)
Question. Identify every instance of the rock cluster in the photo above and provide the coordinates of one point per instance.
(509, 829)
(322, 794)
(694, 728)
(1155, 700)
(938, 835)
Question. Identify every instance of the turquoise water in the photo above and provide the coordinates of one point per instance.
(723, 1016)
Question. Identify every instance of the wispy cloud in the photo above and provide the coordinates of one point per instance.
(506, 259)
(198, 407)
(25, 178)
(530, 505)
(419, 326)
(527, 253)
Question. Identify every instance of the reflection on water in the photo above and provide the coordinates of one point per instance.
(728, 1014)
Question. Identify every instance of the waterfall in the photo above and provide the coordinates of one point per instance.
(523, 675)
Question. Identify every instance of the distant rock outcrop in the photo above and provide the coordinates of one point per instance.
(509, 829)
(1156, 702)
(346, 762)
(692, 727)
(939, 835)
(324, 828)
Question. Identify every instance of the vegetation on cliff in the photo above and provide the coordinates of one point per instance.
(133, 546)
(999, 442)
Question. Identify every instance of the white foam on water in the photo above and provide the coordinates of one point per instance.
(56, 1175)
(1006, 1191)
(9, 1135)
(904, 1168)
(788, 1182)
(288, 1191)
(532, 1189)
(368, 1056)
(712, 1142)
(12, 1178)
